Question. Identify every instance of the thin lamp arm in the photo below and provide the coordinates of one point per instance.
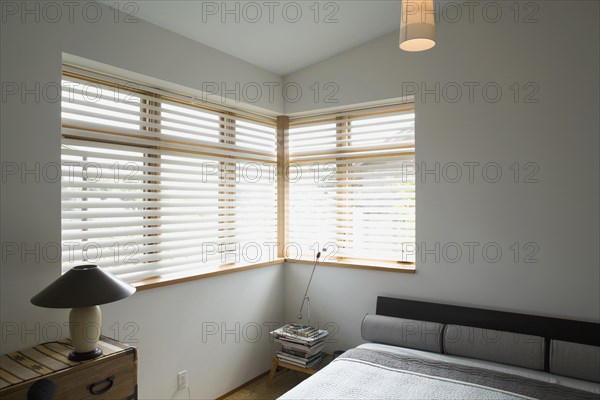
(305, 298)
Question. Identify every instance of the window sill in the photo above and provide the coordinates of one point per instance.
(222, 270)
(409, 268)
(228, 269)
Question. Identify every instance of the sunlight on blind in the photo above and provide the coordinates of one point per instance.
(351, 186)
(155, 187)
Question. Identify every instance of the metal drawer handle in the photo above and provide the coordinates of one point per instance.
(110, 382)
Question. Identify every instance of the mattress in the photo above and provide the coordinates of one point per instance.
(377, 371)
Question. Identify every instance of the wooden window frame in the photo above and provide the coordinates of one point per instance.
(343, 137)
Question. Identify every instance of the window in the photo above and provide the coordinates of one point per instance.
(351, 186)
(157, 185)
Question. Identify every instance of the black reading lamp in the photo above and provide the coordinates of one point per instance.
(306, 299)
(83, 288)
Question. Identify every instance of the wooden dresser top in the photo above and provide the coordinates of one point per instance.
(47, 358)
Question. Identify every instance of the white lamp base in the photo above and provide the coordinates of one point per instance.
(84, 327)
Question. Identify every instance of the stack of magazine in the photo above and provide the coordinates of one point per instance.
(301, 344)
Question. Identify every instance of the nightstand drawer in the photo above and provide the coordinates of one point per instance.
(110, 377)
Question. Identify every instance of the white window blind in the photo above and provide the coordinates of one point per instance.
(352, 187)
(158, 185)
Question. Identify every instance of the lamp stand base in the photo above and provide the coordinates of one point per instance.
(75, 356)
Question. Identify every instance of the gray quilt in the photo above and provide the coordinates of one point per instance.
(367, 374)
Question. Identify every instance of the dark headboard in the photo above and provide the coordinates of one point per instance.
(550, 328)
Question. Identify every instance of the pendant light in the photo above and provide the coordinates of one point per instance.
(417, 25)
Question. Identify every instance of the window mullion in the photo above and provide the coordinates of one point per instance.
(227, 187)
(344, 207)
(152, 115)
(283, 125)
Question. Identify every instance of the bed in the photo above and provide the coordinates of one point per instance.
(422, 350)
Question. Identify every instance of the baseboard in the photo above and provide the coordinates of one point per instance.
(244, 385)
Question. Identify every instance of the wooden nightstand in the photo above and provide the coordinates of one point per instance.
(278, 363)
(46, 368)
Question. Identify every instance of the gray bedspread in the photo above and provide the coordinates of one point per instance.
(367, 374)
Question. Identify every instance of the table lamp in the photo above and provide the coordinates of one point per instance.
(83, 288)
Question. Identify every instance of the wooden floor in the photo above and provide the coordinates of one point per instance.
(284, 380)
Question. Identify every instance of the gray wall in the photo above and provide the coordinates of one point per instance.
(169, 320)
(560, 134)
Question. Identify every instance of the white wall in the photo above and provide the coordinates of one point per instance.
(560, 134)
(215, 328)
(169, 319)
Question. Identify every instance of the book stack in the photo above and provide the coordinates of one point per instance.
(302, 345)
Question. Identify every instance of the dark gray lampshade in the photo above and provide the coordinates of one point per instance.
(83, 286)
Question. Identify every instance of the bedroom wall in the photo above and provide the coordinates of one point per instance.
(559, 134)
(169, 321)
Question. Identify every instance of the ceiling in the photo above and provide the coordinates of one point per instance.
(279, 36)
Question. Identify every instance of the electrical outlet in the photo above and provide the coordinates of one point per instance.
(182, 380)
